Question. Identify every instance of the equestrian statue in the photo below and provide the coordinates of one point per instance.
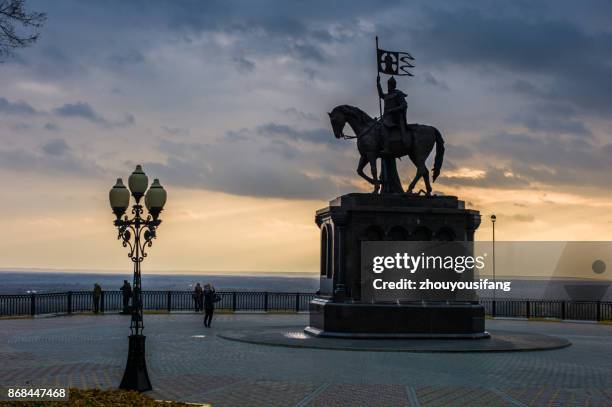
(390, 137)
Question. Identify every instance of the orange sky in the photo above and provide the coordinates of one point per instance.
(66, 224)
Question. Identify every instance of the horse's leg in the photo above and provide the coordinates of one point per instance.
(414, 181)
(362, 163)
(425, 172)
(421, 172)
(371, 157)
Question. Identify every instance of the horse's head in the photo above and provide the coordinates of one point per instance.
(338, 120)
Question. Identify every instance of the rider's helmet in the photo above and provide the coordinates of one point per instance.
(391, 84)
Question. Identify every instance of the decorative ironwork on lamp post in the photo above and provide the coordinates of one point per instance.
(137, 234)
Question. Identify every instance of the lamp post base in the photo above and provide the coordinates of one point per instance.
(136, 376)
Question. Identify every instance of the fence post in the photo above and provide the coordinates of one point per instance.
(563, 310)
(493, 308)
(266, 301)
(69, 302)
(297, 302)
(234, 301)
(528, 309)
(169, 301)
(598, 311)
(32, 304)
(102, 302)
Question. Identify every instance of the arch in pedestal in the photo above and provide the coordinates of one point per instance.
(421, 234)
(398, 233)
(445, 234)
(327, 258)
(373, 233)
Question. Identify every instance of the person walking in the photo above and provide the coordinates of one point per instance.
(198, 295)
(210, 297)
(97, 294)
(126, 290)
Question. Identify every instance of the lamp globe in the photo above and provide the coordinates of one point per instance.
(138, 183)
(155, 199)
(119, 198)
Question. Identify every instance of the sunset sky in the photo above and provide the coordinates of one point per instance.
(225, 102)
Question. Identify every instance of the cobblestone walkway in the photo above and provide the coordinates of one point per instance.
(190, 363)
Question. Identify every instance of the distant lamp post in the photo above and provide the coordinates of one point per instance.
(137, 234)
(493, 219)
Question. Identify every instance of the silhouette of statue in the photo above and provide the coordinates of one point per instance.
(417, 142)
(394, 114)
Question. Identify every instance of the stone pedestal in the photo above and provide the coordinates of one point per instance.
(351, 219)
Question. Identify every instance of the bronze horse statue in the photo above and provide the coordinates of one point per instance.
(417, 145)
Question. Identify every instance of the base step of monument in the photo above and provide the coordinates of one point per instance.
(373, 335)
(411, 320)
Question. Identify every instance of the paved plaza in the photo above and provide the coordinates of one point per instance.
(188, 362)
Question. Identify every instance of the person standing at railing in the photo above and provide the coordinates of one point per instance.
(210, 298)
(198, 299)
(97, 294)
(126, 290)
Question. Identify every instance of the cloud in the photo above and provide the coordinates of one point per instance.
(548, 159)
(243, 65)
(317, 136)
(555, 117)
(127, 58)
(55, 157)
(521, 84)
(19, 108)
(458, 152)
(523, 217)
(85, 111)
(51, 127)
(56, 147)
(79, 109)
(300, 114)
(574, 60)
(175, 131)
(501, 178)
(432, 80)
(269, 160)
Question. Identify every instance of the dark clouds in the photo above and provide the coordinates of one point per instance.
(51, 157)
(549, 159)
(79, 109)
(56, 147)
(272, 160)
(217, 59)
(319, 136)
(19, 107)
(557, 59)
(85, 111)
(243, 64)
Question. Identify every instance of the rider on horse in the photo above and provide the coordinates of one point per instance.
(394, 114)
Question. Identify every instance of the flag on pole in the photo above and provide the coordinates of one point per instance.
(394, 63)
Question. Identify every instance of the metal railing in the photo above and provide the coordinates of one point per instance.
(112, 301)
(554, 309)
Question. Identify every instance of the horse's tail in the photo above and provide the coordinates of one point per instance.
(439, 154)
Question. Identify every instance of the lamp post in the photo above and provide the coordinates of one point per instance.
(493, 219)
(137, 234)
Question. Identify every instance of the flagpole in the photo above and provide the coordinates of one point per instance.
(378, 78)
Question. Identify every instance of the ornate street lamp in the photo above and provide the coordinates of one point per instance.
(137, 234)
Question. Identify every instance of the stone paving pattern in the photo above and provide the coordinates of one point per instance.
(188, 362)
